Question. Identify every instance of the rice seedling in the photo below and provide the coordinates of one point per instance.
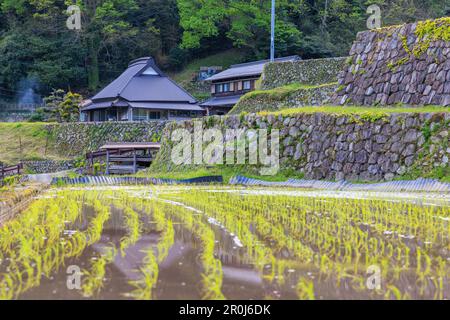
(144, 287)
(338, 238)
(35, 244)
(93, 278)
(296, 244)
(211, 267)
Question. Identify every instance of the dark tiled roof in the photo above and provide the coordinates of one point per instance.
(103, 105)
(135, 86)
(166, 106)
(247, 69)
(221, 101)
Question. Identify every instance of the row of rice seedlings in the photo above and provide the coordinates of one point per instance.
(24, 239)
(373, 243)
(212, 274)
(132, 225)
(262, 255)
(243, 224)
(392, 251)
(93, 279)
(94, 276)
(150, 269)
(34, 242)
(334, 230)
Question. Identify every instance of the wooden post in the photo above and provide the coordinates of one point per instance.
(90, 164)
(107, 162)
(134, 161)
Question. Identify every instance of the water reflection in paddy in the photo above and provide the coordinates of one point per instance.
(267, 244)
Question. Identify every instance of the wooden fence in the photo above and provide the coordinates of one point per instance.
(10, 171)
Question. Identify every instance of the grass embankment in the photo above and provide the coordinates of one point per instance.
(282, 92)
(357, 110)
(227, 172)
(26, 141)
(441, 174)
(281, 98)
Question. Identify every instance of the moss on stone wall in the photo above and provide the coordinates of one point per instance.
(407, 64)
(290, 96)
(75, 139)
(331, 145)
(307, 72)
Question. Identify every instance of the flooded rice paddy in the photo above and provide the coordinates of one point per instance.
(227, 243)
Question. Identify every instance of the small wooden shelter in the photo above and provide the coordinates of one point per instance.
(128, 157)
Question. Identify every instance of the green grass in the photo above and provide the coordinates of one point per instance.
(224, 59)
(227, 172)
(25, 141)
(358, 110)
(440, 173)
(282, 92)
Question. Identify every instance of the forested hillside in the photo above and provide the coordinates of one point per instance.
(36, 48)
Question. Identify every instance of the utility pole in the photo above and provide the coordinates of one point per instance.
(272, 34)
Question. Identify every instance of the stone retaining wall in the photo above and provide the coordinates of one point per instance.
(48, 166)
(409, 64)
(75, 139)
(308, 72)
(270, 101)
(352, 147)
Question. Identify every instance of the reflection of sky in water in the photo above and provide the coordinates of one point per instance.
(180, 273)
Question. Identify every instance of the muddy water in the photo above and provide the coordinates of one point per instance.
(179, 274)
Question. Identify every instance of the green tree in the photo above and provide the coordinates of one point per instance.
(50, 112)
(60, 106)
(69, 108)
(246, 23)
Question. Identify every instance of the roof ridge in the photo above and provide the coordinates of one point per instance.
(132, 64)
(262, 61)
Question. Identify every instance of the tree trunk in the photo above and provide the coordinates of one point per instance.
(93, 45)
(93, 71)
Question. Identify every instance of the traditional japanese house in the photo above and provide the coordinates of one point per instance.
(228, 86)
(141, 93)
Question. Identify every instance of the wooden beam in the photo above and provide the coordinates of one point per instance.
(107, 162)
(134, 162)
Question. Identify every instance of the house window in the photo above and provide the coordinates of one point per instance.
(247, 85)
(145, 115)
(226, 87)
(154, 115)
(123, 115)
(139, 114)
(184, 114)
(219, 88)
(181, 114)
(99, 115)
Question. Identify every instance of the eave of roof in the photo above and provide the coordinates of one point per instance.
(166, 106)
(133, 85)
(248, 69)
(221, 101)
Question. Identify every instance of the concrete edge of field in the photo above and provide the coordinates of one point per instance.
(419, 185)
